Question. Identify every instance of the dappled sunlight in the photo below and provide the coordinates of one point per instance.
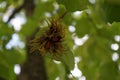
(76, 72)
(114, 46)
(119, 67)
(77, 14)
(57, 62)
(18, 21)
(72, 28)
(47, 14)
(60, 39)
(8, 13)
(92, 1)
(80, 41)
(117, 38)
(15, 42)
(3, 4)
(57, 78)
(17, 69)
(115, 56)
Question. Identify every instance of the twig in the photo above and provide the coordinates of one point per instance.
(62, 16)
(15, 11)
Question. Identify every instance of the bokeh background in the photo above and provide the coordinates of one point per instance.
(93, 39)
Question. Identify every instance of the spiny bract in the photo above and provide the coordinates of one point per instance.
(51, 40)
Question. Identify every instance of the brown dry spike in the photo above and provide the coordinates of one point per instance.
(51, 41)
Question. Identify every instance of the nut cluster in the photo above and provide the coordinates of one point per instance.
(51, 41)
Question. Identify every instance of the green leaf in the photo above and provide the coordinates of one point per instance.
(13, 56)
(7, 71)
(94, 53)
(114, 2)
(108, 32)
(4, 73)
(83, 25)
(5, 30)
(39, 14)
(7, 61)
(67, 59)
(115, 28)
(74, 5)
(51, 69)
(112, 12)
(41, 8)
(109, 71)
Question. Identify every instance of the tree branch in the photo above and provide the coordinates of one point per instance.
(14, 12)
(34, 67)
(28, 5)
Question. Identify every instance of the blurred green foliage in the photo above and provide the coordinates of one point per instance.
(99, 19)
